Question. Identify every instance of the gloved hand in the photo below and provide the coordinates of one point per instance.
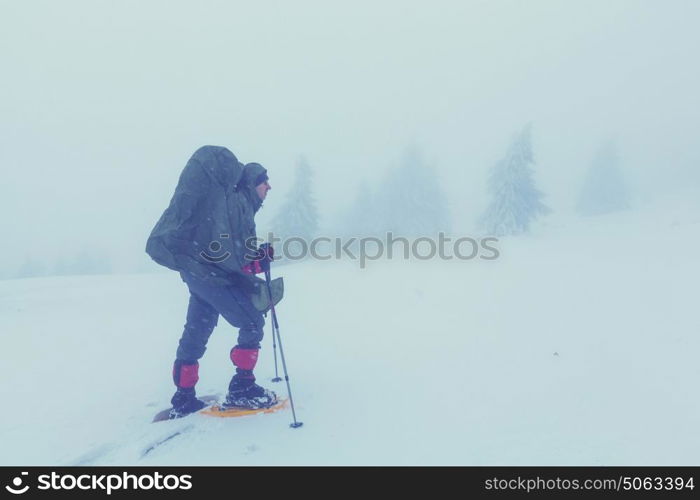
(266, 255)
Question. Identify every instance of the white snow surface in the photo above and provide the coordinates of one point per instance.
(578, 346)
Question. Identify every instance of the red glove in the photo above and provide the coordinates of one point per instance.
(264, 256)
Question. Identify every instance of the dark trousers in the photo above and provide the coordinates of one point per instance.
(207, 302)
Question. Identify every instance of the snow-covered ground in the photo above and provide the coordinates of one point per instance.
(579, 346)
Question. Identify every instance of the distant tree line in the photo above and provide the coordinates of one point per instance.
(409, 202)
(83, 263)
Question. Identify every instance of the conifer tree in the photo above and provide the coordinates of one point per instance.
(411, 202)
(515, 201)
(298, 215)
(603, 189)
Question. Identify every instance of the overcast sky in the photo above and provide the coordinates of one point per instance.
(102, 102)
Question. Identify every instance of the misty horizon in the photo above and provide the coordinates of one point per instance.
(103, 104)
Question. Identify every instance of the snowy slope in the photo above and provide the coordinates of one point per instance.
(578, 346)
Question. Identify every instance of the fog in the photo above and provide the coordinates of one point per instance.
(102, 103)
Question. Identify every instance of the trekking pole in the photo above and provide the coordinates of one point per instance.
(276, 328)
(274, 346)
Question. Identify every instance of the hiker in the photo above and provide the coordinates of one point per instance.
(205, 234)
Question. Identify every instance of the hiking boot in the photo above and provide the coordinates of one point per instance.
(245, 393)
(252, 397)
(184, 402)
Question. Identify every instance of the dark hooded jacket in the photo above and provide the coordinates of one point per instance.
(204, 231)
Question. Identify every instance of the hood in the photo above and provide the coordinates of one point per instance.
(247, 185)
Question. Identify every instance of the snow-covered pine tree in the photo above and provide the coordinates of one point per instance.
(515, 201)
(31, 268)
(604, 189)
(411, 202)
(361, 219)
(298, 215)
(89, 262)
